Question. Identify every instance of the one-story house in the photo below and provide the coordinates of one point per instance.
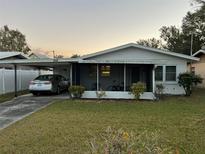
(198, 67)
(12, 55)
(114, 70)
(33, 55)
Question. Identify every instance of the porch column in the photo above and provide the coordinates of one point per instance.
(97, 77)
(125, 77)
(153, 79)
(3, 80)
(15, 80)
(71, 74)
(20, 79)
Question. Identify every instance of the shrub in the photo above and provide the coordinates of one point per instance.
(159, 89)
(100, 94)
(113, 141)
(76, 91)
(137, 89)
(187, 81)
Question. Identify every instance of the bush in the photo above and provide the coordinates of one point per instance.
(113, 141)
(188, 80)
(137, 89)
(159, 90)
(76, 91)
(100, 94)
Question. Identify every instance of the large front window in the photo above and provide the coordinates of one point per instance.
(159, 73)
(170, 73)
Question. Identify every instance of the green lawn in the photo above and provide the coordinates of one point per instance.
(67, 126)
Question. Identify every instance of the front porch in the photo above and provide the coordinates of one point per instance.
(114, 79)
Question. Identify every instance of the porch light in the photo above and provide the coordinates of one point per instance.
(105, 70)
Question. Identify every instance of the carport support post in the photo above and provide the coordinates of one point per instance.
(97, 77)
(125, 77)
(3, 80)
(153, 79)
(15, 81)
(71, 74)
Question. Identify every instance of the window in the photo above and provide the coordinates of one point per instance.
(159, 73)
(170, 73)
(105, 70)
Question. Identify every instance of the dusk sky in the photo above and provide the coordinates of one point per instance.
(85, 26)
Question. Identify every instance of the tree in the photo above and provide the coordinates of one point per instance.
(194, 24)
(179, 39)
(152, 42)
(173, 38)
(75, 56)
(58, 56)
(12, 40)
(187, 81)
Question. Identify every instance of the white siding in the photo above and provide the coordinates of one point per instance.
(134, 55)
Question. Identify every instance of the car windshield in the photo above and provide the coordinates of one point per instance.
(45, 77)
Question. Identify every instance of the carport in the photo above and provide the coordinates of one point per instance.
(61, 66)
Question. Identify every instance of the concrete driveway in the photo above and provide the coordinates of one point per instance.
(21, 107)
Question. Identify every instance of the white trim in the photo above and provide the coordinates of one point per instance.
(200, 51)
(97, 77)
(153, 79)
(125, 72)
(140, 47)
(20, 79)
(118, 95)
(162, 73)
(3, 80)
(166, 74)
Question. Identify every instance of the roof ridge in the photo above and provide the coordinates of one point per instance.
(180, 55)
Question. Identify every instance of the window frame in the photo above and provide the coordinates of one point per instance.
(162, 72)
(175, 80)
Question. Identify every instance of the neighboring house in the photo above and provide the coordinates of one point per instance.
(114, 70)
(37, 55)
(34, 55)
(24, 74)
(198, 67)
(12, 55)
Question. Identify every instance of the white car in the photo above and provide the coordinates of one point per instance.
(48, 83)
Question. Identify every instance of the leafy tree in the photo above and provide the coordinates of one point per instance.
(58, 56)
(179, 40)
(152, 42)
(173, 38)
(75, 56)
(194, 24)
(12, 40)
(187, 81)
